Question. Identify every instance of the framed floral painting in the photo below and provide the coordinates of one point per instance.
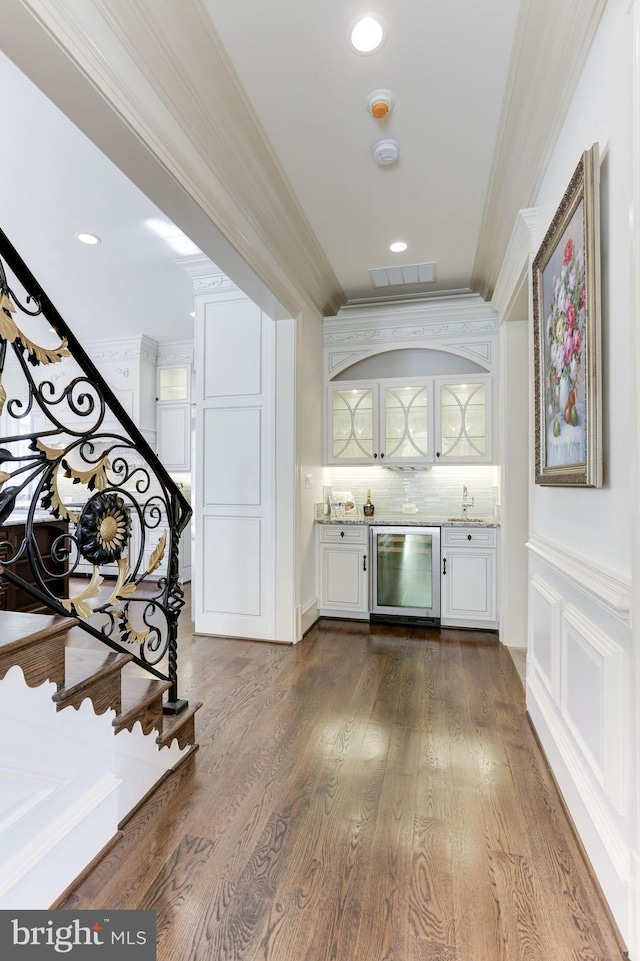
(567, 355)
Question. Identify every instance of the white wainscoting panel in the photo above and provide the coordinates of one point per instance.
(544, 633)
(232, 448)
(232, 350)
(593, 680)
(580, 700)
(231, 572)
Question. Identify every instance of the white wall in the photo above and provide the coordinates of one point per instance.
(581, 652)
(309, 413)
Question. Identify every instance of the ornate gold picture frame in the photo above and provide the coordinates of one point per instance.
(567, 337)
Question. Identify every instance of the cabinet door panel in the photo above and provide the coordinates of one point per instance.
(406, 413)
(352, 434)
(343, 578)
(470, 585)
(174, 436)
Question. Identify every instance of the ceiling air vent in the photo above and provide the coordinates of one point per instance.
(408, 274)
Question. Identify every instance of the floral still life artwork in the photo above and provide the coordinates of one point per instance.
(565, 333)
(567, 337)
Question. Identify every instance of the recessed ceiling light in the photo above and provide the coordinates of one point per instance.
(90, 239)
(398, 246)
(192, 314)
(367, 33)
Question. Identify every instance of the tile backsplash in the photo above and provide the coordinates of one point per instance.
(437, 491)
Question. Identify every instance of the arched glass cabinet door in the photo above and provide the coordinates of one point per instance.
(407, 432)
(352, 425)
(463, 421)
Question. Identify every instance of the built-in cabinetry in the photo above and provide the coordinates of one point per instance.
(469, 577)
(468, 574)
(411, 383)
(405, 421)
(53, 568)
(342, 567)
(173, 417)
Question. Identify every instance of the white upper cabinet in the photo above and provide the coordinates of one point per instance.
(464, 420)
(173, 417)
(411, 383)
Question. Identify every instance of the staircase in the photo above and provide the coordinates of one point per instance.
(69, 778)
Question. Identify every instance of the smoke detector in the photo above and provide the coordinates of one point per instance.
(385, 152)
(380, 103)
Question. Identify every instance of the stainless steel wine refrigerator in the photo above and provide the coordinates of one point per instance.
(405, 574)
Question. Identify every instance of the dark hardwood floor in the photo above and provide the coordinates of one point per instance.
(373, 794)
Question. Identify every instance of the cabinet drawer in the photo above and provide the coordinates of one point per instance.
(469, 537)
(343, 533)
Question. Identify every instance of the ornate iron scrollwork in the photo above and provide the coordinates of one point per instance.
(54, 440)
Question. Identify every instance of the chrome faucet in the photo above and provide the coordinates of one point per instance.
(465, 503)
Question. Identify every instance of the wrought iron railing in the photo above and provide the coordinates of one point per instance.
(70, 429)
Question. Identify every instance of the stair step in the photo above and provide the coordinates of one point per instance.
(141, 701)
(93, 674)
(36, 642)
(180, 726)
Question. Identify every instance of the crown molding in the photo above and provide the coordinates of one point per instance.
(550, 48)
(134, 52)
(516, 261)
(139, 347)
(415, 321)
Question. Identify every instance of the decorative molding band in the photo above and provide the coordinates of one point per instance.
(610, 839)
(612, 590)
(176, 352)
(427, 317)
(128, 348)
(425, 332)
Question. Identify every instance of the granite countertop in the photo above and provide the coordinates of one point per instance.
(412, 520)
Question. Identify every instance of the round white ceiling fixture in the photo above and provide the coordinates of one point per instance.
(90, 239)
(367, 33)
(380, 103)
(385, 152)
(398, 246)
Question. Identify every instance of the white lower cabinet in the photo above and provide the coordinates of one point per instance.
(342, 565)
(469, 577)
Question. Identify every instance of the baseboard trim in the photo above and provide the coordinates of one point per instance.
(152, 790)
(578, 841)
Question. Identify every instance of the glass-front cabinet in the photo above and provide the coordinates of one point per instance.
(410, 422)
(407, 423)
(464, 420)
(352, 424)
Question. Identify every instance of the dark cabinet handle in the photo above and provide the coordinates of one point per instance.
(381, 456)
(468, 537)
(444, 565)
(364, 562)
(437, 453)
(341, 533)
(375, 456)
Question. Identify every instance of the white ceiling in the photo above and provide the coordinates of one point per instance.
(446, 64)
(462, 113)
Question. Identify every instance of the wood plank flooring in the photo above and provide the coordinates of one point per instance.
(372, 794)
